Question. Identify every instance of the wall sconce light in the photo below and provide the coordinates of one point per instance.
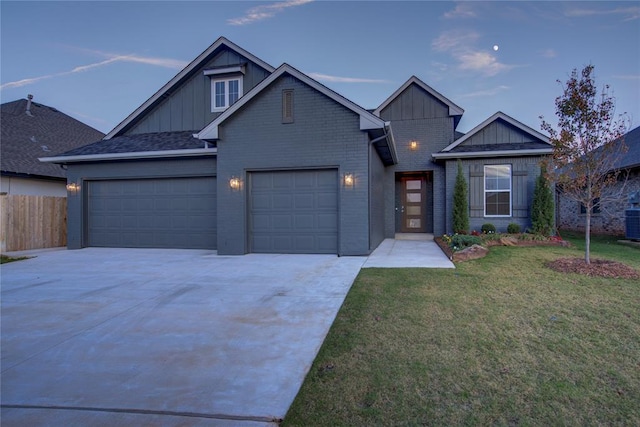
(413, 145)
(348, 180)
(234, 183)
(73, 188)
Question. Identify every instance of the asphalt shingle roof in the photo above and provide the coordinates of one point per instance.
(631, 159)
(45, 133)
(160, 141)
(499, 147)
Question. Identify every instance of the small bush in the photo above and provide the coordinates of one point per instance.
(513, 228)
(488, 228)
(461, 241)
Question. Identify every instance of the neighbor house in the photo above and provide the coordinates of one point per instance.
(31, 130)
(236, 155)
(609, 218)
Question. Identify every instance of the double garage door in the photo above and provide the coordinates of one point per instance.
(152, 213)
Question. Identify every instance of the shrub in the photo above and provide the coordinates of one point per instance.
(542, 210)
(461, 241)
(488, 228)
(460, 203)
(513, 228)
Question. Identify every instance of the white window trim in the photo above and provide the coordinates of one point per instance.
(226, 81)
(510, 190)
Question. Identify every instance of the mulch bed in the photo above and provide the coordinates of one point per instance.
(597, 268)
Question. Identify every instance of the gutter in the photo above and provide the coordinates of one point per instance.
(136, 155)
(502, 153)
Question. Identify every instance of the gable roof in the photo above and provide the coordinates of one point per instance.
(378, 128)
(186, 72)
(458, 150)
(45, 131)
(454, 110)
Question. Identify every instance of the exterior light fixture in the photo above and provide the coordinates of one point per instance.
(348, 180)
(234, 183)
(73, 188)
(413, 145)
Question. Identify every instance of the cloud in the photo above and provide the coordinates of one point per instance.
(159, 62)
(629, 13)
(337, 79)
(460, 44)
(486, 92)
(462, 10)
(549, 53)
(261, 12)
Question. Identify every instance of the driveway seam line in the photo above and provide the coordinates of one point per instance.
(148, 412)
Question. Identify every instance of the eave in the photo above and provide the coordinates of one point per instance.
(131, 156)
(490, 154)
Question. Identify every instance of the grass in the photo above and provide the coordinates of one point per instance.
(6, 259)
(498, 341)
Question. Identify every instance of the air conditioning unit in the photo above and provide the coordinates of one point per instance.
(632, 216)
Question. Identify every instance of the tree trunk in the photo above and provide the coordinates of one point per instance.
(587, 237)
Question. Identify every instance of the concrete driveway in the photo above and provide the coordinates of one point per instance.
(163, 337)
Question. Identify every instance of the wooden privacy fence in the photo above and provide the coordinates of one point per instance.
(32, 222)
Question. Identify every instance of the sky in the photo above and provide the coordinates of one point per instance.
(99, 61)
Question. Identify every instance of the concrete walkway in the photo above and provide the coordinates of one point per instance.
(406, 251)
(106, 337)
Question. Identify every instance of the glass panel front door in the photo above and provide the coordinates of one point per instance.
(413, 209)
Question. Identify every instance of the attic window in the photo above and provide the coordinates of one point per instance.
(287, 106)
(226, 86)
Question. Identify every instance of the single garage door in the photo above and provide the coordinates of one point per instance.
(294, 211)
(152, 213)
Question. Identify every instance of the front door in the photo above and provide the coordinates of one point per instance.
(413, 212)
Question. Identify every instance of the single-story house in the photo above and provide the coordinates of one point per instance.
(236, 155)
(29, 131)
(609, 218)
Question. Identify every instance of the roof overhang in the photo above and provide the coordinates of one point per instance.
(500, 153)
(367, 120)
(131, 156)
(496, 116)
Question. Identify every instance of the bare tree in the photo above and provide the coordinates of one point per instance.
(587, 145)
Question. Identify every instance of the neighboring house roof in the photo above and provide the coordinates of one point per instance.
(138, 146)
(187, 72)
(539, 145)
(631, 158)
(368, 121)
(454, 110)
(43, 131)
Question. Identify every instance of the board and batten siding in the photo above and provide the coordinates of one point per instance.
(414, 103)
(499, 132)
(524, 172)
(188, 106)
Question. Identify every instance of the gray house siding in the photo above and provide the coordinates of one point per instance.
(524, 172)
(414, 103)
(323, 135)
(188, 107)
(432, 135)
(377, 198)
(499, 132)
(83, 173)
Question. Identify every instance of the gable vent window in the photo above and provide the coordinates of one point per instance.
(287, 106)
(226, 86)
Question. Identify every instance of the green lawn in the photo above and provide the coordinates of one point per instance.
(499, 341)
(4, 259)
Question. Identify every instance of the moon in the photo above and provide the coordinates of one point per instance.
(496, 47)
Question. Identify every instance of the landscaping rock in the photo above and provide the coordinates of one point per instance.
(472, 252)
